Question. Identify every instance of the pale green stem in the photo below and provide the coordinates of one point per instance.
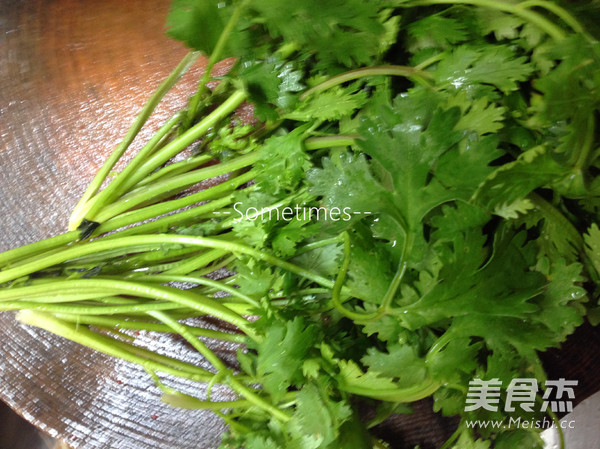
(106, 345)
(139, 122)
(186, 139)
(182, 330)
(196, 302)
(173, 185)
(389, 70)
(115, 187)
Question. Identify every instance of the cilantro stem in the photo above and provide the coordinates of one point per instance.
(114, 188)
(193, 340)
(162, 223)
(392, 289)
(218, 286)
(173, 185)
(205, 271)
(384, 70)
(251, 396)
(184, 298)
(429, 61)
(122, 323)
(213, 58)
(556, 10)
(176, 168)
(409, 394)
(319, 244)
(194, 263)
(437, 346)
(561, 435)
(386, 302)
(157, 239)
(181, 400)
(112, 347)
(175, 146)
(90, 309)
(137, 125)
(339, 283)
(556, 421)
(13, 255)
(517, 9)
(220, 366)
(34, 250)
(317, 143)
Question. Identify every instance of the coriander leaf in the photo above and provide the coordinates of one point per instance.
(324, 260)
(199, 24)
(479, 115)
(401, 362)
(333, 104)
(270, 84)
(436, 31)
(282, 162)
(592, 246)
(560, 304)
(474, 157)
(337, 32)
(503, 26)
(493, 64)
(571, 88)
(282, 353)
(502, 288)
(352, 378)
(512, 438)
(513, 181)
(286, 238)
(407, 140)
(456, 362)
(349, 171)
(515, 209)
(317, 420)
(370, 270)
(254, 279)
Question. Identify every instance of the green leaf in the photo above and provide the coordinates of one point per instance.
(503, 26)
(401, 362)
(502, 288)
(592, 246)
(495, 65)
(436, 31)
(479, 115)
(324, 260)
(286, 238)
(364, 383)
(529, 438)
(199, 24)
(283, 162)
(513, 181)
(337, 32)
(407, 140)
(333, 104)
(282, 353)
(317, 419)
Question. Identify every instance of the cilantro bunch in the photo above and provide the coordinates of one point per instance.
(459, 139)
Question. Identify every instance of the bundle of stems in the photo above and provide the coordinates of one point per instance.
(129, 242)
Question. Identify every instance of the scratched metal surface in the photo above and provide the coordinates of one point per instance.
(73, 74)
